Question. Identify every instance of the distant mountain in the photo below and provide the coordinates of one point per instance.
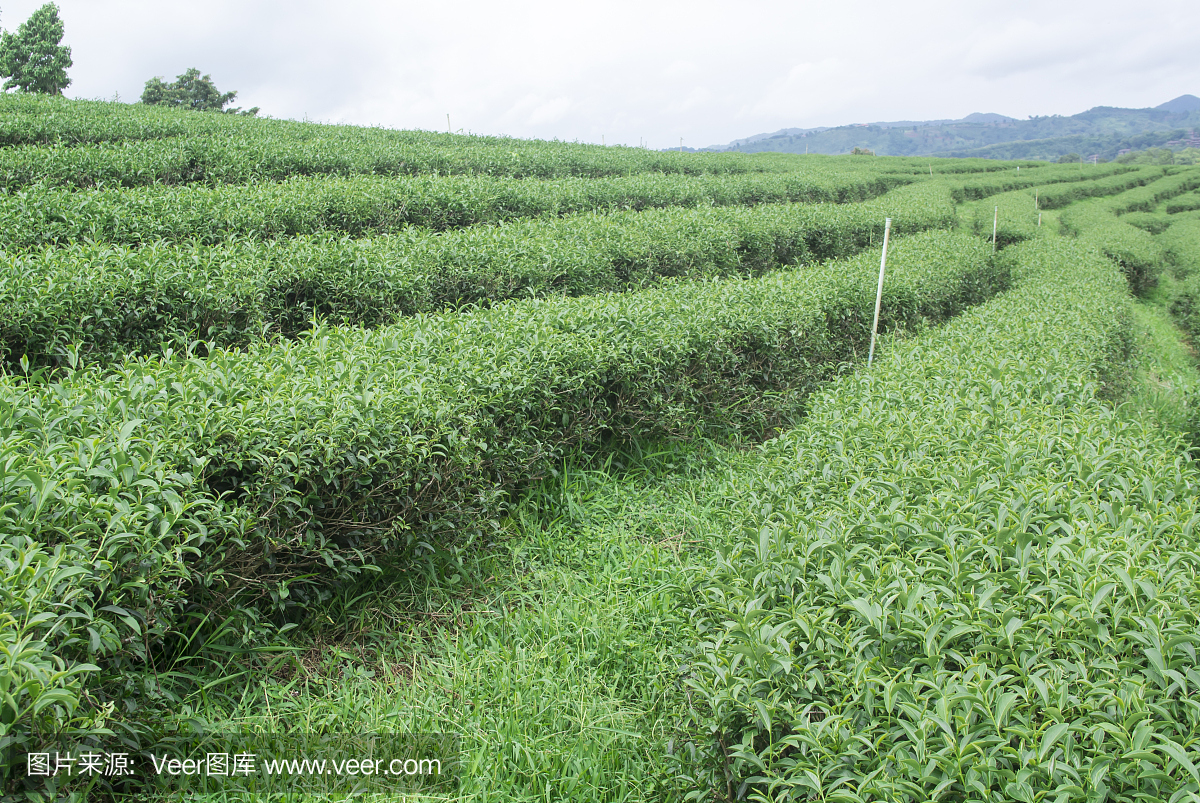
(1101, 131)
(1183, 103)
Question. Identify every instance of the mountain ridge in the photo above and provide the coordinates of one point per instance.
(1102, 131)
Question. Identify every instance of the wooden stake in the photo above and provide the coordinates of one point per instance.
(887, 228)
(1039, 220)
(995, 222)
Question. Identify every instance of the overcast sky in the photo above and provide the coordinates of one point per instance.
(708, 72)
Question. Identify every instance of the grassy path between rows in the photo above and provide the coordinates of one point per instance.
(555, 650)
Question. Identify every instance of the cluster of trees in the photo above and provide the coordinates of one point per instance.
(1146, 156)
(1161, 156)
(191, 91)
(34, 60)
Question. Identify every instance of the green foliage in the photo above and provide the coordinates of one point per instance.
(1016, 213)
(1148, 221)
(1069, 158)
(972, 188)
(1119, 181)
(1138, 253)
(91, 303)
(1149, 197)
(1149, 156)
(32, 60)
(41, 215)
(1186, 203)
(1181, 245)
(1135, 250)
(1187, 156)
(379, 342)
(138, 144)
(1013, 215)
(249, 482)
(191, 91)
(963, 577)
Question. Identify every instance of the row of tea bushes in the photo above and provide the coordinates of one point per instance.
(1069, 177)
(963, 576)
(165, 491)
(1013, 216)
(1135, 250)
(1181, 245)
(44, 215)
(97, 303)
(1187, 203)
(1016, 215)
(1150, 197)
(1065, 194)
(1153, 222)
(87, 142)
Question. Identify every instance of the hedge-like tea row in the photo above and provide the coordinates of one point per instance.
(963, 576)
(47, 120)
(924, 166)
(1016, 214)
(1062, 195)
(179, 487)
(1187, 203)
(1184, 304)
(105, 302)
(1153, 222)
(1135, 250)
(987, 185)
(1013, 215)
(1150, 196)
(1181, 245)
(342, 151)
(39, 216)
(84, 143)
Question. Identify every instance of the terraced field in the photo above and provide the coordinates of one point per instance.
(571, 454)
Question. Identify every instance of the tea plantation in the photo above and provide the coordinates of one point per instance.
(571, 454)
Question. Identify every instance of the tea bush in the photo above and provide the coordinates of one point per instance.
(963, 576)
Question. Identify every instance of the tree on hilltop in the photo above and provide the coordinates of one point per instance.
(191, 91)
(32, 60)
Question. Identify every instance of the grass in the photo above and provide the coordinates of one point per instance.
(554, 652)
(1166, 379)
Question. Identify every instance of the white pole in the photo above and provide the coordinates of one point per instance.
(995, 221)
(1039, 220)
(887, 228)
(448, 129)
